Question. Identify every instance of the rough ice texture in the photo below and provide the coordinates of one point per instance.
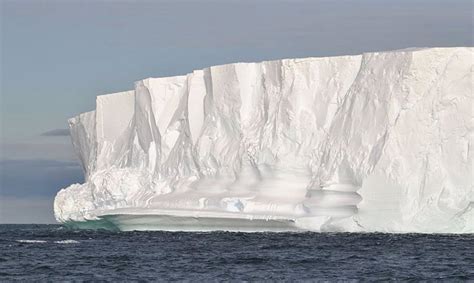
(373, 142)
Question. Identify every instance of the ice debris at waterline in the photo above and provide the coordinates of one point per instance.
(374, 142)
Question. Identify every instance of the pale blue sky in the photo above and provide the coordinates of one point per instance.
(57, 56)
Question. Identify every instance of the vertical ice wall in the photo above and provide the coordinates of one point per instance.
(338, 143)
(114, 115)
(83, 136)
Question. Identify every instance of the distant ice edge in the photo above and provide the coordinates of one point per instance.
(374, 142)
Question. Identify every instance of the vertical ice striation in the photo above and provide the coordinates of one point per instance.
(373, 142)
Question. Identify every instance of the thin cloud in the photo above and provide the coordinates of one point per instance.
(56, 133)
(26, 210)
(39, 148)
(37, 177)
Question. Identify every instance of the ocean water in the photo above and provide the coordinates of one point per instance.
(52, 252)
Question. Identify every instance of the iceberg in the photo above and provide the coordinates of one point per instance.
(381, 141)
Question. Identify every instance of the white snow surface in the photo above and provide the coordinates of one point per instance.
(373, 142)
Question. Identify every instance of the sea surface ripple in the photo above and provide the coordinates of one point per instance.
(52, 252)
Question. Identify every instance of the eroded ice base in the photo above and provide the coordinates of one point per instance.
(164, 222)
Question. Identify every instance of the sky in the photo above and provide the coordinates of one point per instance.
(57, 56)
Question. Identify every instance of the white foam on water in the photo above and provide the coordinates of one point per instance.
(66, 242)
(32, 241)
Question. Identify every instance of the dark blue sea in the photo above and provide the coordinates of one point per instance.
(53, 253)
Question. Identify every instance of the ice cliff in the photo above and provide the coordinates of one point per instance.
(374, 142)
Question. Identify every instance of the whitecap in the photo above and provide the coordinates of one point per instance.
(32, 241)
(67, 242)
